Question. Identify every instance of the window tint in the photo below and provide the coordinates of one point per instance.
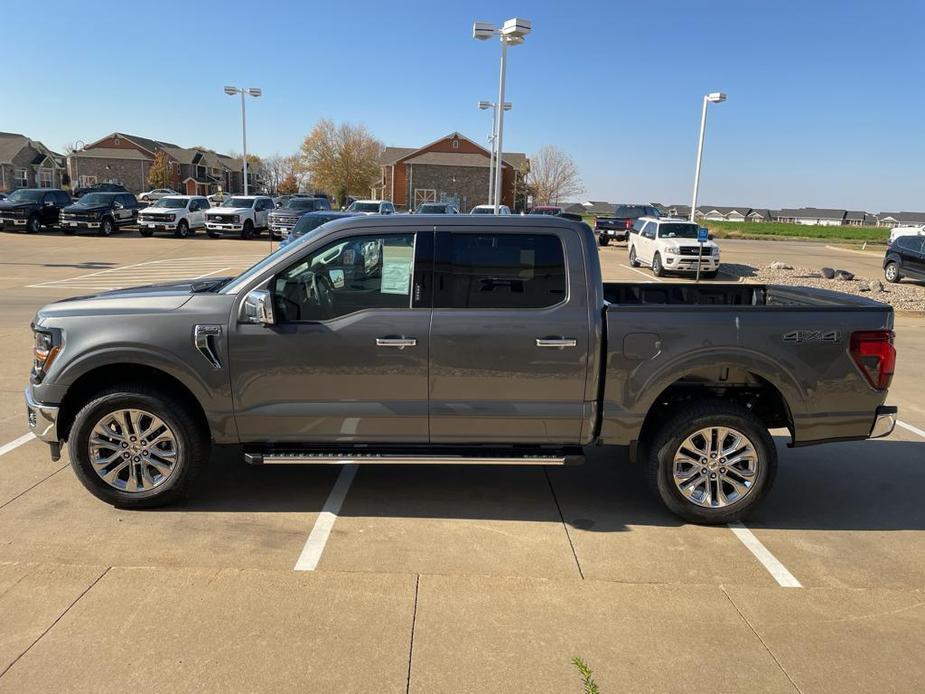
(631, 211)
(910, 243)
(63, 198)
(349, 275)
(501, 271)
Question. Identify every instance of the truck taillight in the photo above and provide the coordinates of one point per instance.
(873, 352)
(594, 221)
(629, 224)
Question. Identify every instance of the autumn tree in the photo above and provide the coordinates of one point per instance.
(341, 159)
(159, 173)
(553, 176)
(288, 185)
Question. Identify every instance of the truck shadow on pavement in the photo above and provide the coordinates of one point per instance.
(868, 485)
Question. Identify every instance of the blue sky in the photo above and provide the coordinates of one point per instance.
(826, 99)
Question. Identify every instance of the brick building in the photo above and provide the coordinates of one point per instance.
(27, 163)
(451, 169)
(127, 159)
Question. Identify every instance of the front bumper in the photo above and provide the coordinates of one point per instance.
(79, 224)
(42, 419)
(15, 221)
(688, 263)
(884, 421)
(159, 226)
(216, 226)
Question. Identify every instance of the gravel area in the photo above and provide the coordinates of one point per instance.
(904, 296)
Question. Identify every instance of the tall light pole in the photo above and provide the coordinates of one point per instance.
(511, 33)
(715, 98)
(252, 91)
(483, 105)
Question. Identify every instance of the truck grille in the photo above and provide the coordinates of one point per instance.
(285, 221)
(154, 218)
(692, 250)
(221, 218)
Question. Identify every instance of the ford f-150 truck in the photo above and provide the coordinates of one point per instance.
(455, 339)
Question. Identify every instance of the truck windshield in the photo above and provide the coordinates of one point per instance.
(301, 204)
(677, 231)
(364, 207)
(238, 202)
(95, 199)
(25, 196)
(171, 203)
(238, 282)
(631, 211)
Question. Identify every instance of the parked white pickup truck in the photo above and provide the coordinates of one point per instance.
(670, 245)
(181, 214)
(241, 214)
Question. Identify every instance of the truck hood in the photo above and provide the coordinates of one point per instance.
(151, 209)
(153, 298)
(229, 210)
(289, 212)
(688, 243)
(77, 209)
(4, 205)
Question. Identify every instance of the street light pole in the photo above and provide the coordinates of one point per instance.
(716, 98)
(244, 91)
(512, 33)
(78, 147)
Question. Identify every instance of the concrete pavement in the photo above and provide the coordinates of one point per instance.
(451, 579)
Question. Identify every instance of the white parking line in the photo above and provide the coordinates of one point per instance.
(909, 427)
(318, 538)
(869, 254)
(777, 570)
(651, 278)
(16, 443)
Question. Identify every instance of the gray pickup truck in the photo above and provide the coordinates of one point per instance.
(455, 339)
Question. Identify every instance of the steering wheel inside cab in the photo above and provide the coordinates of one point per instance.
(307, 296)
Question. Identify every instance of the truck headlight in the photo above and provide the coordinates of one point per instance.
(236, 219)
(45, 348)
(715, 250)
(171, 218)
(673, 249)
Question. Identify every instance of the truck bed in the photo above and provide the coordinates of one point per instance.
(668, 335)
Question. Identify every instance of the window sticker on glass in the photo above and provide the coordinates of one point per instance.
(396, 269)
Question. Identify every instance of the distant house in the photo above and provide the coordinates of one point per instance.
(899, 219)
(451, 169)
(858, 218)
(27, 163)
(598, 207)
(724, 214)
(127, 159)
(759, 216)
(573, 208)
(680, 211)
(813, 216)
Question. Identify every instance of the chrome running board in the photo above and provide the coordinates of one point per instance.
(299, 458)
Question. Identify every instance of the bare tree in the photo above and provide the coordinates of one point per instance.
(553, 176)
(340, 159)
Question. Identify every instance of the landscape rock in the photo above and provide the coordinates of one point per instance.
(875, 286)
(778, 265)
(828, 273)
(844, 275)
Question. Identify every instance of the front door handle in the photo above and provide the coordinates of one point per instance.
(556, 342)
(400, 342)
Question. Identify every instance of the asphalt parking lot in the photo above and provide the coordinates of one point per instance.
(449, 578)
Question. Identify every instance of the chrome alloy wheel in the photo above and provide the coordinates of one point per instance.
(715, 467)
(133, 450)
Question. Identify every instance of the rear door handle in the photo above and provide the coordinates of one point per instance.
(399, 342)
(557, 342)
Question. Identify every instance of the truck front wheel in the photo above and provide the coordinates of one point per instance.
(135, 447)
(633, 261)
(711, 462)
(247, 231)
(603, 239)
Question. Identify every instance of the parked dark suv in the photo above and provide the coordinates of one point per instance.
(100, 188)
(103, 211)
(33, 208)
(905, 257)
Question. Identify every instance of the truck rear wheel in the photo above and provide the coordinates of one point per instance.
(711, 462)
(603, 239)
(135, 447)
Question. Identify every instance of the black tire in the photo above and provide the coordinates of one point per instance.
(106, 226)
(891, 272)
(193, 445)
(633, 261)
(146, 232)
(603, 240)
(183, 229)
(657, 269)
(684, 422)
(247, 231)
(34, 225)
(214, 234)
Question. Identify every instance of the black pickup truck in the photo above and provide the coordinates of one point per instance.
(33, 208)
(618, 227)
(455, 339)
(104, 212)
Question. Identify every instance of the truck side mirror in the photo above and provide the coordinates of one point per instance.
(257, 307)
(709, 237)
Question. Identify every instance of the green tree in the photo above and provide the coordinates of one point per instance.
(159, 173)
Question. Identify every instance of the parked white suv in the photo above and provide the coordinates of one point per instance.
(896, 232)
(181, 214)
(490, 209)
(371, 207)
(670, 245)
(241, 214)
(156, 194)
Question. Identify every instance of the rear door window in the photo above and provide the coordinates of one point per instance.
(506, 271)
